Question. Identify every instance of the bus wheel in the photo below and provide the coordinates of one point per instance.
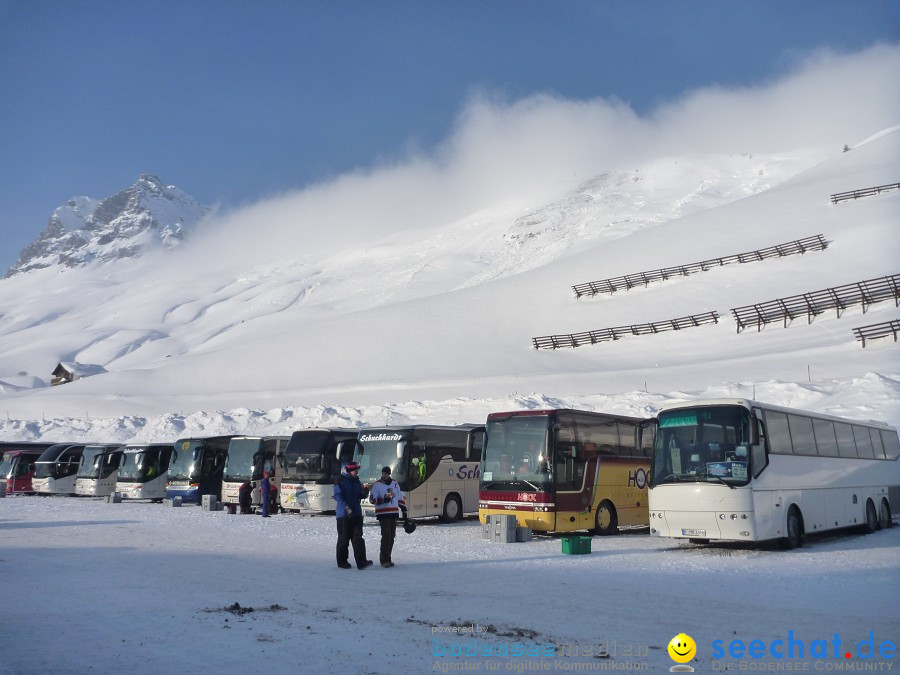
(794, 538)
(871, 518)
(452, 509)
(884, 516)
(607, 520)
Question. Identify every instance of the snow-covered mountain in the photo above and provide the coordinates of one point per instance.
(147, 215)
(435, 324)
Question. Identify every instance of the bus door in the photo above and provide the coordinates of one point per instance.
(422, 496)
(109, 472)
(574, 488)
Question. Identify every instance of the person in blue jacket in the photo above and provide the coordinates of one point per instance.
(347, 495)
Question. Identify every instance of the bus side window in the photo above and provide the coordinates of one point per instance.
(565, 467)
(760, 458)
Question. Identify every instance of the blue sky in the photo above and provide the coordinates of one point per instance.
(238, 100)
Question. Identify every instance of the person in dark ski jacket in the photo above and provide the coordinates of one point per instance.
(265, 495)
(245, 494)
(347, 495)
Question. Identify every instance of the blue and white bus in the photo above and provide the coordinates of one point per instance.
(437, 467)
(741, 470)
(197, 468)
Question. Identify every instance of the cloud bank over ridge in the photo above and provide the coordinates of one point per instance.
(504, 151)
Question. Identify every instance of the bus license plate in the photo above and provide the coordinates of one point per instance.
(693, 533)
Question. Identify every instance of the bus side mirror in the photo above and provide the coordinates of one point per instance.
(470, 440)
(754, 431)
(400, 446)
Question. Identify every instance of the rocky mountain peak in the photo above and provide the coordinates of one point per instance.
(147, 215)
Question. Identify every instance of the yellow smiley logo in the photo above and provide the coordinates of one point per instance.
(682, 648)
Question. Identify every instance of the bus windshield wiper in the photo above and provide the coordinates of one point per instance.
(528, 482)
(721, 480)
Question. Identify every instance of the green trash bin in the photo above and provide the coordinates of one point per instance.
(576, 545)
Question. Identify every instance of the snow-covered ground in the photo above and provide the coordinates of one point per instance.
(146, 588)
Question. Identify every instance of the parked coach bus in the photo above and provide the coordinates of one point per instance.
(567, 470)
(311, 462)
(435, 466)
(99, 470)
(55, 469)
(144, 471)
(17, 466)
(197, 468)
(740, 470)
(248, 458)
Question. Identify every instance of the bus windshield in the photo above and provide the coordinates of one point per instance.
(186, 461)
(139, 465)
(242, 459)
(377, 450)
(515, 454)
(708, 444)
(91, 464)
(305, 456)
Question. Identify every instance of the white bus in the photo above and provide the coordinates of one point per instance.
(248, 458)
(144, 471)
(310, 465)
(99, 470)
(55, 469)
(740, 470)
(437, 467)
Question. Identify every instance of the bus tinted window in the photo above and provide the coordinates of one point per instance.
(802, 435)
(891, 444)
(648, 436)
(564, 459)
(877, 445)
(778, 433)
(598, 436)
(825, 438)
(863, 442)
(846, 443)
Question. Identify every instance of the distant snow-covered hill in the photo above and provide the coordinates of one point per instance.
(435, 324)
(149, 214)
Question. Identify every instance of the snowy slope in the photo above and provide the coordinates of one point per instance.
(142, 588)
(422, 319)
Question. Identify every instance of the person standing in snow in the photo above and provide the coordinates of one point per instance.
(264, 496)
(389, 502)
(245, 497)
(347, 495)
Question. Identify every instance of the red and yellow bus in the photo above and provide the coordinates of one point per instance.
(567, 470)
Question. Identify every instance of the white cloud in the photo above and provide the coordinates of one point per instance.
(509, 150)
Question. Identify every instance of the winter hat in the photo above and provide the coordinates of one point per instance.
(385, 470)
(352, 466)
